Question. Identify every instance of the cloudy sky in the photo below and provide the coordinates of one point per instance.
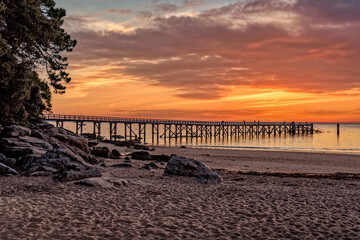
(269, 60)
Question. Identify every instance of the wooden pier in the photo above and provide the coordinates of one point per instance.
(169, 129)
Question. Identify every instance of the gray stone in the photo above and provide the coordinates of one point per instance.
(141, 147)
(15, 131)
(181, 166)
(103, 182)
(71, 175)
(141, 155)
(150, 166)
(4, 170)
(161, 158)
(115, 153)
(103, 152)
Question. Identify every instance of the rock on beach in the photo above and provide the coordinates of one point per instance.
(181, 166)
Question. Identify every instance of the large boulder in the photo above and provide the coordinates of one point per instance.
(5, 170)
(15, 131)
(181, 166)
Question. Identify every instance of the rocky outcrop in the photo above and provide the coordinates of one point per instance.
(46, 150)
(20, 146)
(15, 131)
(181, 166)
(17, 141)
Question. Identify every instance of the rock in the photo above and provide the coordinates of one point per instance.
(37, 134)
(15, 131)
(71, 175)
(4, 170)
(161, 158)
(103, 152)
(95, 182)
(141, 147)
(120, 182)
(127, 143)
(25, 161)
(181, 166)
(115, 153)
(92, 160)
(92, 144)
(2, 157)
(149, 166)
(18, 147)
(141, 155)
(69, 139)
(10, 162)
(40, 174)
(121, 165)
(103, 182)
(103, 165)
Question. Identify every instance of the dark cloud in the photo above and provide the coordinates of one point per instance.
(166, 7)
(120, 11)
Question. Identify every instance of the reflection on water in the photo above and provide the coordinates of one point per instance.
(328, 141)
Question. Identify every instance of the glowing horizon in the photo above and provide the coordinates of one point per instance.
(251, 60)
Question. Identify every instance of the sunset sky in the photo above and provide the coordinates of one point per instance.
(267, 60)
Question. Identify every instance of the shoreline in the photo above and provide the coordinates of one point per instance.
(237, 148)
(263, 161)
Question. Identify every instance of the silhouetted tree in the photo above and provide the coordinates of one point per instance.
(31, 41)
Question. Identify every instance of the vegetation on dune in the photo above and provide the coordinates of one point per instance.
(31, 40)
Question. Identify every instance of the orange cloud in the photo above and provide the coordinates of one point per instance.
(290, 59)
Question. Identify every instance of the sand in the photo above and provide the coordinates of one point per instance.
(152, 207)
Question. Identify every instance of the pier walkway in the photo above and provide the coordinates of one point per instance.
(161, 128)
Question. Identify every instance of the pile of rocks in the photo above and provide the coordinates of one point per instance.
(45, 150)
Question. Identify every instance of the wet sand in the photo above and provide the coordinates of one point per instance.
(152, 207)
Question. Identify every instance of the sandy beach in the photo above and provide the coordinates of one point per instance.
(150, 206)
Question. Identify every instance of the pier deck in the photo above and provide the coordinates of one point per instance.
(161, 128)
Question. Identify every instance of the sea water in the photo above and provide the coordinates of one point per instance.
(348, 141)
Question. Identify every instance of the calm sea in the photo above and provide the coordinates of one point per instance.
(327, 141)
